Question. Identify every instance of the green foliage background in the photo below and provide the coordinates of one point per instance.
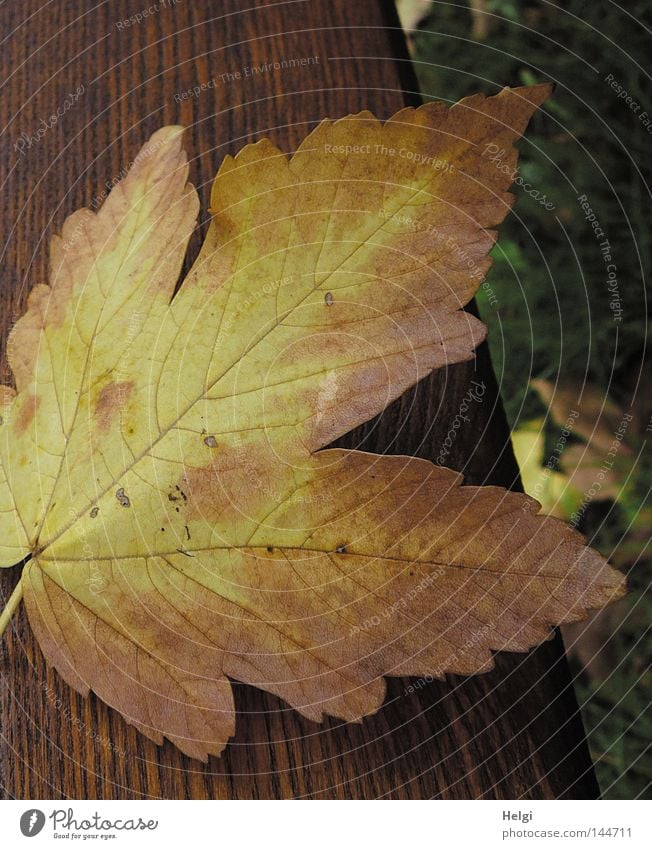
(551, 317)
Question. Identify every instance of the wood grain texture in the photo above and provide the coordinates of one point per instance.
(512, 733)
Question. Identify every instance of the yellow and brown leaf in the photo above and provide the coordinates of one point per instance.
(162, 462)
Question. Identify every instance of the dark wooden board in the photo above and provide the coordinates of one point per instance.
(511, 733)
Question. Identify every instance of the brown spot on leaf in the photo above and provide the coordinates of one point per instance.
(200, 490)
(110, 401)
(122, 497)
(27, 413)
(239, 481)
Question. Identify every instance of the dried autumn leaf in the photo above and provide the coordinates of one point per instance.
(597, 419)
(161, 459)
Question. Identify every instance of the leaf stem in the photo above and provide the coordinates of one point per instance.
(10, 607)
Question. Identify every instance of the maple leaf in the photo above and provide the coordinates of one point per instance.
(162, 465)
